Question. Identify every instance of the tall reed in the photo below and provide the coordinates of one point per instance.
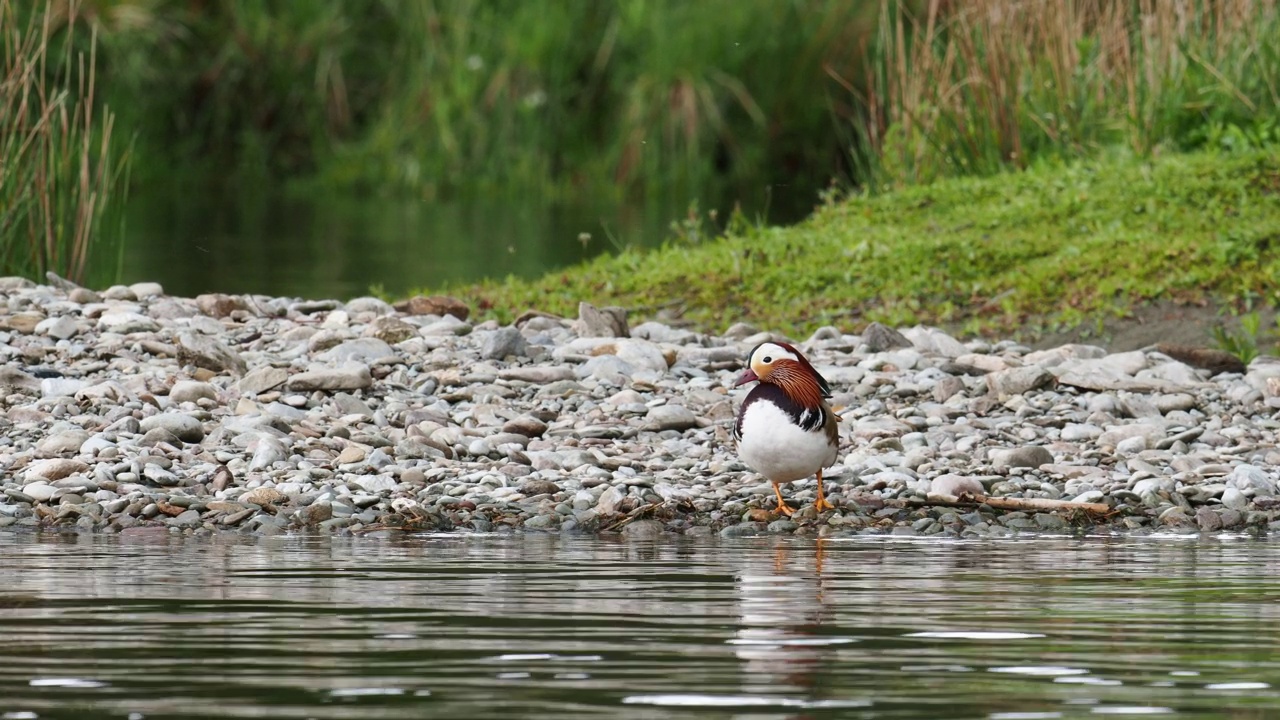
(975, 87)
(62, 181)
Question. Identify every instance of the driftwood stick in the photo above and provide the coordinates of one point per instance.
(1009, 503)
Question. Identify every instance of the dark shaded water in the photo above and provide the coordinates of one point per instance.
(544, 627)
(194, 238)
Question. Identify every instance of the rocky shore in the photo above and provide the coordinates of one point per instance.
(131, 411)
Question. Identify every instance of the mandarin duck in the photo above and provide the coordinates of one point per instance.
(786, 431)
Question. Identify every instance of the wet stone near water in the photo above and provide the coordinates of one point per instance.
(270, 415)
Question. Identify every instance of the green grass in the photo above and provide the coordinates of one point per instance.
(1012, 253)
(983, 86)
(63, 177)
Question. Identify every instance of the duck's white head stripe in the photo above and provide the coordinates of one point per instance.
(768, 353)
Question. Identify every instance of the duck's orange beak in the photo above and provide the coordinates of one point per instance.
(747, 376)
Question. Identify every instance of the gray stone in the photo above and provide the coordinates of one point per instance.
(1138, 406)
(366, 351)
(1234, 499)
(1131, 446)
(1157, 485)
(539, 375)
(61, 387)
(68, 441)
(608, 502)
(542, 522)
(208, 353)
(659, 333)
(184, 427)
(61, 327)
(641, 355)
(879, 338)
(315, 513)
(1172, 402)
(448, 325)
(1031, 456)
(608, 368)
(260, 380)
(376, 483)
(13, 379)
(746, 529)
(1251, 477)
(539, 487)
(526, 425)
(264, 496)
(126, 323)
(955, 486)
(391, 330)
(670, 417)
(1115, 434)
(1076, 432)
(642, 530)
(187, 519)
(1050, 521)
(54, 469)
(501, 343)
(191, 391)
(1018, 381)
(933, 341)
(947, 387)
(160, 476)
(39, 491)
(158, 435)
(1089, 496)
(269, 451)
(600, 322)
(348, 377)
(146, 289)
(1208, 520)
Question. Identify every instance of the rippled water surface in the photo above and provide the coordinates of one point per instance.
(544, 627)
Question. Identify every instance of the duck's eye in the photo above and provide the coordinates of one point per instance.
(768, 360)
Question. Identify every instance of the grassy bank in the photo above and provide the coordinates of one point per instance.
(1015, 253)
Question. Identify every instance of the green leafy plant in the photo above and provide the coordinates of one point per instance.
(1245, 344)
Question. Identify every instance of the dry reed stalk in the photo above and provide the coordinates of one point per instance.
(980, 82)
(56, 163)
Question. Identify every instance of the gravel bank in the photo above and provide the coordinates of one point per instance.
(130, 411)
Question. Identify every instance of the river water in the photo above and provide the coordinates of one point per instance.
(195, 237)
(539, 626)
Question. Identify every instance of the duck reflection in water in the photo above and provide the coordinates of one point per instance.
(782, 608)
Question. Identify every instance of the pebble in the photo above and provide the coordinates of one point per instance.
(182, 426)
(270, 415)
(1031, 456)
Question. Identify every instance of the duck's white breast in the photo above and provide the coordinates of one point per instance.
(777, 448)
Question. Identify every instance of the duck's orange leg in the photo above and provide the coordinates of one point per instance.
(821, 503)
(782, 504)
